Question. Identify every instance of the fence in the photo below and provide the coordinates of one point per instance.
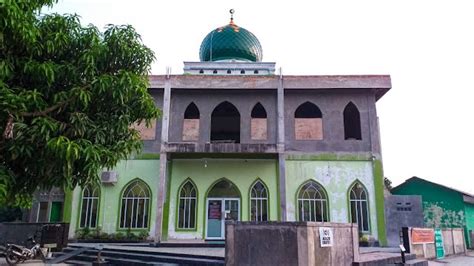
(421, 241)
(291, 243)
(54, 234)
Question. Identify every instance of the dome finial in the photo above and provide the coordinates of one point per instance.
(232, 11)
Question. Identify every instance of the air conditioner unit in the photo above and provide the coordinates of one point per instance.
(109, 177)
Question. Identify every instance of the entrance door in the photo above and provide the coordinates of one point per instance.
(56, 212)
(220, 210)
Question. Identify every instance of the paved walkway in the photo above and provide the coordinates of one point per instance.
(3, 262)
(458, 260)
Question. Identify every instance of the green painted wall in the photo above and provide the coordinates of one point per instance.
(335, 177)
(438, 199)
(147, 170)
(469, 213)
(242, 172)
(432, 194)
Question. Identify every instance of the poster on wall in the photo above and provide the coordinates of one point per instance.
(422, 235)
(325, 236)
(215, 210)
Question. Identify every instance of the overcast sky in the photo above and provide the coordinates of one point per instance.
(427, 46)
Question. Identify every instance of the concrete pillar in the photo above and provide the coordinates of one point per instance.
(281, 148)
(377, 168)
(373, 126)
(162, 183)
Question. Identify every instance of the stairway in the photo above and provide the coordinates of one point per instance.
(134, 257)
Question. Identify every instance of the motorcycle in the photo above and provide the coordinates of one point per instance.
(16, 254)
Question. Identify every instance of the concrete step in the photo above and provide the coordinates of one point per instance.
(129, 257)
(148, 251)
(417, 262)
(216, 244)
(90, 259)
(394, 260)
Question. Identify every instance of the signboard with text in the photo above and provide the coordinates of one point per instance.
(215, 210)
(422, 235)
(325, 236)
(438, 235)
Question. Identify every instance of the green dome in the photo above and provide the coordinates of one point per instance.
(230, 42)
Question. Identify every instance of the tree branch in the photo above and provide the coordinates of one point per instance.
(45, 111)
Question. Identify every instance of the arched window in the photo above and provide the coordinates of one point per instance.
(192, 112)
(258, 202)
(90, 206)
(224, 189)
(352, 122)
(225, 124)
(258, 127)
(312, 203)
(359, 207)
(308, 110)
(258, 111)
(134, 212)
(242, 71)
(229, 71)
(187, 206)
(191, 123)
(308, 122)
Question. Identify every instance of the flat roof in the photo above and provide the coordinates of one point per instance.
(380, 83)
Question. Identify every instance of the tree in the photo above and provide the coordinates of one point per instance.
(68, 97)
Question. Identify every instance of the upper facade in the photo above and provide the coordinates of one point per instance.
(267, 114)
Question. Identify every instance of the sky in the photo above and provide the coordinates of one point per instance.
(426, 46)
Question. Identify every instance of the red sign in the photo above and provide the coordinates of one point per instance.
(422, 235)
(214, 211)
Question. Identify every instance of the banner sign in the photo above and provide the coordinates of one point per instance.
(325, 236)
(439, 243)
(215, 210)
(422, 235)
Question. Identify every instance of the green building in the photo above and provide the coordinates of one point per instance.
(237, 142)
(442, 206)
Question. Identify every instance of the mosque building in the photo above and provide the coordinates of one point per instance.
(238, 142)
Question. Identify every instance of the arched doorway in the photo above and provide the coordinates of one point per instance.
(225, 124)
(223, 204)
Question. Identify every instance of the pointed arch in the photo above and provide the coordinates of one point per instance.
(225, 123)
(191, 112)
(312, 202)
(359, 206)
(258, 122)
(308, 110)
(187, 205)
(352, 128)
(135, 205)
(223, 187)
(258, 111)
(90, 206)
(258, 199)
(191, 123)
(308, 122)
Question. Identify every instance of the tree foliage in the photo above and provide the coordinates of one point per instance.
(68, 95)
